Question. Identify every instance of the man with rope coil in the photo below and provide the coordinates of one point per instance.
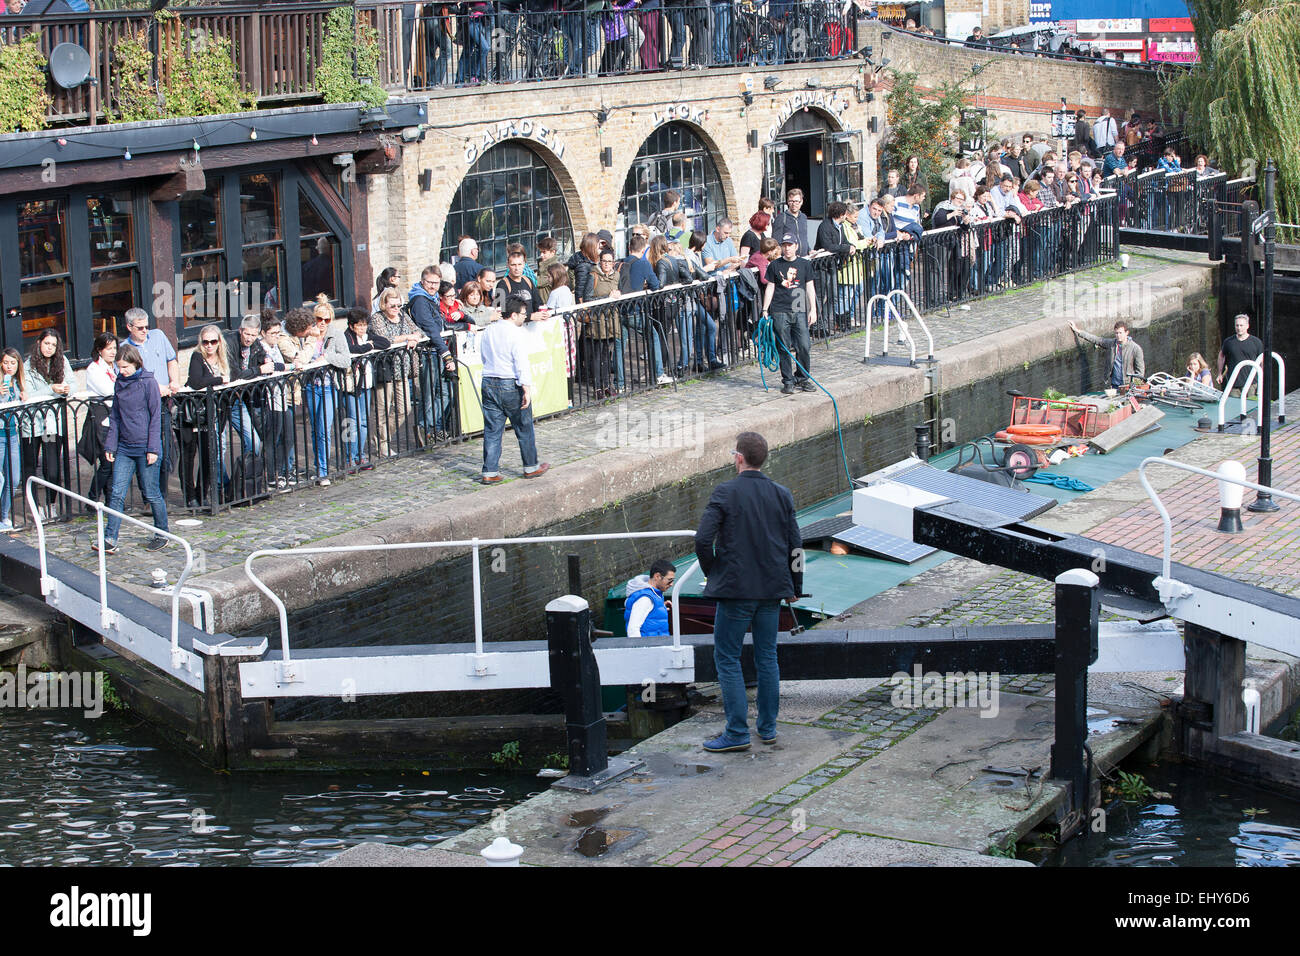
(792, 300)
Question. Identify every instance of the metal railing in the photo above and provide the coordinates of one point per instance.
(1256, 367)
(108, 618)
(1168, 588)
(474, 545)
(496, 43)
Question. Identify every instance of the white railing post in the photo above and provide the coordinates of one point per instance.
(1165, 584)
(478, 603)
(108, 618)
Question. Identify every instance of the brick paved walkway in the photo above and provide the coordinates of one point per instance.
(446, 474)
(1266, 553)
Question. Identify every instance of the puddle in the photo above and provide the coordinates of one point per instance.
(688, 769)
(596, 841)
(585, 818)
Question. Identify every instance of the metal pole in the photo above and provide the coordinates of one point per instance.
(1077, 613)
(1263, 500)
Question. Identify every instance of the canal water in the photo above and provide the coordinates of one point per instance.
(1193, 819)
(102, 792)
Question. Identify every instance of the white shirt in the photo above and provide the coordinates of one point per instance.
(504, 349)
(100, 378)
(1104, 131)
(560, 298)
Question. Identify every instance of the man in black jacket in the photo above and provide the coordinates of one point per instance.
(792, 219)
(750, 548)
(830, 237)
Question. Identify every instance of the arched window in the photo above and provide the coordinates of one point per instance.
(673, 157)
(508, 195)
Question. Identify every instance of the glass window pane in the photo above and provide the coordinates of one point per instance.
(509, 195)
(201, 219)
(261, 277)
(259, 207)
(673, 157)
(321, 268)
(45, 306)
(202, 295)
(112, 239)
(310, 222)
(112, 292)
(42, 231)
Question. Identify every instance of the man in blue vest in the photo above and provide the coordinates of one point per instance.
(645, 612)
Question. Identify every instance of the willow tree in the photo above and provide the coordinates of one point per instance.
(1243, 99)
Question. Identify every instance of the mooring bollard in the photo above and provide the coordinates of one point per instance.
(1078, 607)
(575, 676)
(1230, 496)
(501, 852)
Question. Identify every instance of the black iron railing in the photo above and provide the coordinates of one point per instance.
(238, 443)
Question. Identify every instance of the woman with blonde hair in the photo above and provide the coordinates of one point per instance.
(209, 366)
(1199, 371)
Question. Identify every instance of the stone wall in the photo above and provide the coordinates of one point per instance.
(559, 120)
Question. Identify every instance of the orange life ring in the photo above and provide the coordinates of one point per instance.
(1044, 429)
(1028, 439)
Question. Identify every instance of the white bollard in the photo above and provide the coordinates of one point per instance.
(1250, 697)
(1230, 497)
(502, 852)
(1123, 260)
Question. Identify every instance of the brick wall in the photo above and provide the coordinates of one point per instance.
(559, 121)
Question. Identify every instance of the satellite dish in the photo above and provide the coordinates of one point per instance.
(69, 65)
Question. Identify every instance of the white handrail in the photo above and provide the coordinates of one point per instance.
(889, 307)
(1256, 368)
(916, 315)
(474, 544)
(1164, 514)
(107, 616)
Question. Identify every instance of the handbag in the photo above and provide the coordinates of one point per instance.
(193, 414)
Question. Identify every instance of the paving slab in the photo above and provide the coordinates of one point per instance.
(931, 788)
(683, 793)
(382, 856)
(853, 850)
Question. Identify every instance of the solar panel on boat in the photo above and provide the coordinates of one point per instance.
(825, 528)
(883, 545)
(972, 491)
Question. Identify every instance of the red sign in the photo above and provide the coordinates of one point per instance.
(1170, 25)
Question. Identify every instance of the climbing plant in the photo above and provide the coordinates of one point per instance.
(24, 100)
(199, 77)
(927, 125)
(1243, 99)
(348, 69)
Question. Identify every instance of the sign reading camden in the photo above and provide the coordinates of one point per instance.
(514, 129)
(682, 111)
(832, 102)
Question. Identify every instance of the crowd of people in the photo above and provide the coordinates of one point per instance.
(493, 41)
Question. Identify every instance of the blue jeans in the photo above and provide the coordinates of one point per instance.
(10, 471)
(791, 330)
(721, 32)
(733, 619)
(502, 400)
(706, 329)
(321, 407)
(242, 419)
(476, 58)
(126, 467)
(686, 333)
(356, 427)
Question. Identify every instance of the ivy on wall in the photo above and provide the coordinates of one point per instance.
(24, 99)
(348, 69)
(198, 75)
(927, 126)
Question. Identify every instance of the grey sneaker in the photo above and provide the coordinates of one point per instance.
(156, 543)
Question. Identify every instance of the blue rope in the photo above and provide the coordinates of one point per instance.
(1064, 482)
(766, 345)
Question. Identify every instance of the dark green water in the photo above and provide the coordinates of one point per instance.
(1199, 820)
(103, 793)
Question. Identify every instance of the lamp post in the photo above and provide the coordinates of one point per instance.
(1263, 500)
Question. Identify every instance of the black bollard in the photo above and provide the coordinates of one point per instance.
(575, 676)
(1078, 606)
(923, 444)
